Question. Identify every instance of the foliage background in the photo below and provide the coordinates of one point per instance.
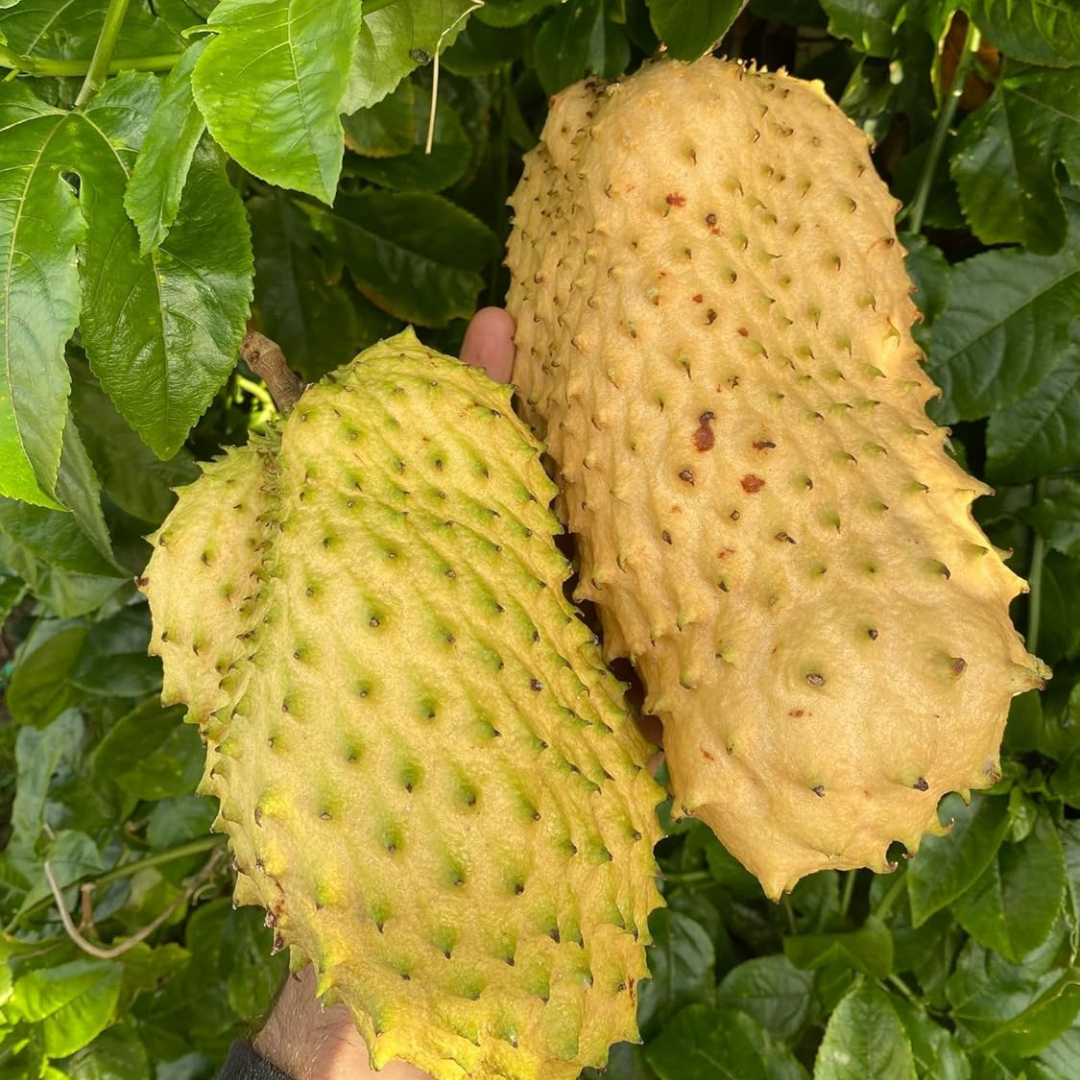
(206, 173)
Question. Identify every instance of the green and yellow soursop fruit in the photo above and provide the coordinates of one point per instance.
(713, 337)
(427, 775)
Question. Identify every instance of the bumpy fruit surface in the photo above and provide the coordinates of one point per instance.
(427, 775)
(713, 336)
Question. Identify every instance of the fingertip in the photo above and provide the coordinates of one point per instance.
(489, 343)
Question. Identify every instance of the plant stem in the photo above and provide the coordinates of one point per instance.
(44, 67)
(849, 889)
(891, 896)
(895, 980)
(691, 877)
(941, 132)
(99, 64)
(182, 851)
(1035, 575)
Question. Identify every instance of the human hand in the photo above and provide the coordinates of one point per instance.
(303, 1038)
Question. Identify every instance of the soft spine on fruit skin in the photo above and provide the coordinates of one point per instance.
(427, 775)
(713, 337)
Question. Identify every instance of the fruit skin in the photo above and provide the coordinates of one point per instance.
(427, 775)
(714, 339)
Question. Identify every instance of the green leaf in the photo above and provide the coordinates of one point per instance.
(1034, 1000)
(1056, 518)
(162, 331)
(69, 30)
(387, 128)
(418, 170)
(1031, 30)
(80, 490)
(577, 40)
(865, 1038)
(1040, 433)
(946, 866)
(12, 590)
(151, 753)
(511, 12)
(72, 855)
(40, 225)
(932, 277)
(40, 688)
(270, 86)
(482, 49)
(152, 199)
(868, 23)
(868, 949)
(704, 1043)
(681, 963)
(691, 29)
(773, 991)
(114, 660)
(300, 302)
(135, 478)
(54, 537)
(399, 263)
(254, 975)
(1006, 156)
(396, 39)
(1014, 905)
(937, 1052)
(178, 819)
(1060, 636)
(73, 1002)
(116, 1054)
(1005, 328)
(1039, 1025)
(38, 755)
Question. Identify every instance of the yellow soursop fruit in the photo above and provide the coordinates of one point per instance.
(713, 336)
(426, 773)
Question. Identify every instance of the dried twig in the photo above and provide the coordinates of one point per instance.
(140, 935)
(266, 359)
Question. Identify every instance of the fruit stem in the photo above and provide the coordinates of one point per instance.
(1035, 575)
(970, 48)
(99, 63)
(182, 851)
(266, 359)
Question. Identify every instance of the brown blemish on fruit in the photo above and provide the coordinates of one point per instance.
(698, 298)
(687, 475)
(743, 332)
(764, 444)
(796, 712)
(958, 665)
(723, 553)
(675, 199)
(704, 439)
(814, 679)
(921, 784)
(751, 483)
(706, 755)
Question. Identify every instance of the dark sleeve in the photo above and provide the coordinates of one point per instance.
(244, 1064)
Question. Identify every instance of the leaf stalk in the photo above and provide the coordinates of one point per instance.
(917, 210)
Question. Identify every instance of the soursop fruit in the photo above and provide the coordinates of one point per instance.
(427, 776)
(714, 339)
